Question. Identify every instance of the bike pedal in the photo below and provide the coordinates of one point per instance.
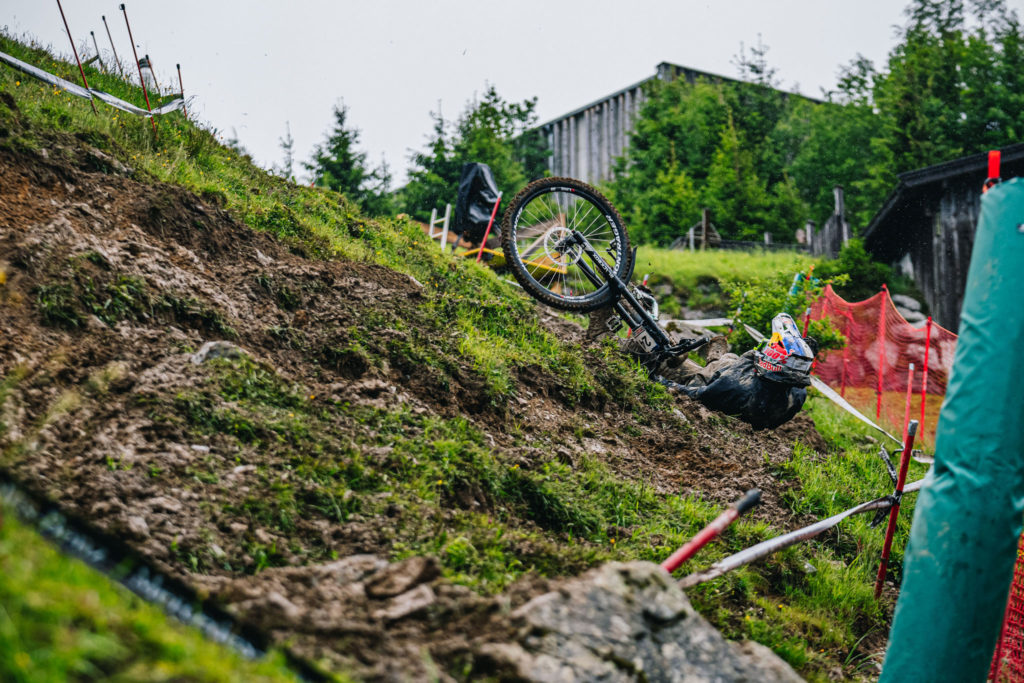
(614, 324)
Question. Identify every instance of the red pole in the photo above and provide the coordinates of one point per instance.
(881, 352)
(75, 51)
(994, 157)
(906, 410)
(924, 371)
(846, 352)
(894, 511)
(142, 82)
(689, 549)
(483, 242)
(182, 89)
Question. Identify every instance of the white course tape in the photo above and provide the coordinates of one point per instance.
(830, 393)
(707, 322)
(764, 548)
(87, 93)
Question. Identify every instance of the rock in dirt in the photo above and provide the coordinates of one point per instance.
(407, 604)
(401, 576)
(165, 504)
(137, 525)
(624, 622)
(217, 349)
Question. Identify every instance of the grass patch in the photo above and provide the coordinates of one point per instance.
(701, 279)
(61, 620)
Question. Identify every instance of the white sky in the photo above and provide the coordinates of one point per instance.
(253, 65)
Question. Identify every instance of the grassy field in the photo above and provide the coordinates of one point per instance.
(812, 603)
(700, 279)
(60, 620)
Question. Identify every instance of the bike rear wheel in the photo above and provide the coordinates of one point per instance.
(538, 218)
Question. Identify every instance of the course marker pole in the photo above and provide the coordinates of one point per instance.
(924, 371)
(97, 46)
(483, 242)
(74, 50)
(881, 352)
(117, 60)
(731, 514)
(894, 511)
(181, 89)
(142, 82)
(906, 409)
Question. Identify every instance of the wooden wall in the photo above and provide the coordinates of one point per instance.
(935, 230)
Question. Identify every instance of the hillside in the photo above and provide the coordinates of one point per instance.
(376, 421)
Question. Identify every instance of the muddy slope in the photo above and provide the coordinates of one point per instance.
(111, 284)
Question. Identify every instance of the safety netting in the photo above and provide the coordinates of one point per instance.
(873, 372)
(1008, 661)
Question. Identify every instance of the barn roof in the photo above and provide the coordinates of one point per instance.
(917, 191)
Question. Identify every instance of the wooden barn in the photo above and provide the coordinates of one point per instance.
(926, 227)
(585, 142)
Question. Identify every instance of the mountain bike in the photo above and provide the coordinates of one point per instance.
(567, 246)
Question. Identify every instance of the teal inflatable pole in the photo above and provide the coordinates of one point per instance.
(963, 543)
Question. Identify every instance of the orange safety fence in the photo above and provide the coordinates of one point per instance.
(871, 371)
(1008, 661)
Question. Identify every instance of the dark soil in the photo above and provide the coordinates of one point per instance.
(112, 282)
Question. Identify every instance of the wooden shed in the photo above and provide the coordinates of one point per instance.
(926, 227)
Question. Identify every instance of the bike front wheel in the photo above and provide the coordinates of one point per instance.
(540, 217)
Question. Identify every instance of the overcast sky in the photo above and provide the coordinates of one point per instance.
(253, 65)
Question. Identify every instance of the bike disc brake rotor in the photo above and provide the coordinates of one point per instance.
(554, 250)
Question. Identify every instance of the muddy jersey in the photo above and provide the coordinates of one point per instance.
(733, 386)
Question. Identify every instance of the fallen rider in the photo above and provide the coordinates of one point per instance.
(764, 387)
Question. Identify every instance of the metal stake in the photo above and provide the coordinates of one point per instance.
(182, 89)
(113, 49)
(97, 46)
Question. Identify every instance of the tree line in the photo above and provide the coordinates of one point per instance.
(758, 158)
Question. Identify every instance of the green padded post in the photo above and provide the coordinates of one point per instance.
(963, 542)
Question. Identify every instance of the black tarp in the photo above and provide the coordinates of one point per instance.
(477, 194)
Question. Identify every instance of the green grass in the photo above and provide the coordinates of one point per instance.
(61, 620)
(700, 279)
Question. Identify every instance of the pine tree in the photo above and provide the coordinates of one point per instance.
(338, 165)
(287, 144)
(491, 131)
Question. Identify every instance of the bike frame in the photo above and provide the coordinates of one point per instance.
(653, 339)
